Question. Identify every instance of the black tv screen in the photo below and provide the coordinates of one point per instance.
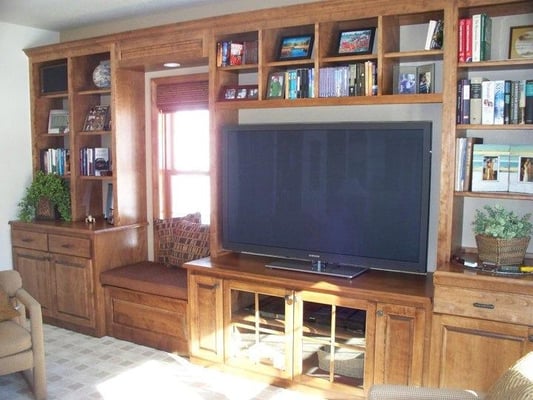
(345, 193)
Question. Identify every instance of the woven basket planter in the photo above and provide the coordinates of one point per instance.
(502, 251)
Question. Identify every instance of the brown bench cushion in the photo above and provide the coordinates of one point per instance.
(148, 277)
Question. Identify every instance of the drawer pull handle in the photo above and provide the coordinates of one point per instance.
(484, 305)
(27, 240)
(66, 246)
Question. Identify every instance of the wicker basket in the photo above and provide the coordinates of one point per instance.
(501, 251)
(347, 362)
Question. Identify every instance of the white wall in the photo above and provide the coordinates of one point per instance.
(15, 138)
(179, 14)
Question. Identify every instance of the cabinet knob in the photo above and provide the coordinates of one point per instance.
(288, 299)
(380, 313)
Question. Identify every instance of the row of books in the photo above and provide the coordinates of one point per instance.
(493, 167)
(474, 38)
(55, 161)
(299, 83)
(494, 102)
(435, 34)
(236, 53)
(359, 79)
(95, 161)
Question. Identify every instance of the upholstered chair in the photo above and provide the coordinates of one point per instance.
(515, 384)
(21, 340)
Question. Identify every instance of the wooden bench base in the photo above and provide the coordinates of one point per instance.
(146, 303)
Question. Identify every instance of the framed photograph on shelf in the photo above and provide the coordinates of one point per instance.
(240, 92)
(356, 41)
(404, 79)
(58, 121)
(252, 93)
(425, 78)
(296, 47)
(521, 42)
(276, 85)
(230, 93)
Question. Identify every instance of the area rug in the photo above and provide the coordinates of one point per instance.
(82, 367)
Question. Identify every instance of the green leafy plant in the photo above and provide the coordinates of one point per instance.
(45, 186)
(495, 221)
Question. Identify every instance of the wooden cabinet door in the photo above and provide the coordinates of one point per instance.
(206, 317)
(399, 344)
(73, 286)
(34, 269)
(470, 353)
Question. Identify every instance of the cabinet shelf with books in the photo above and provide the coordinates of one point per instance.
(495, 122)
(121, 90)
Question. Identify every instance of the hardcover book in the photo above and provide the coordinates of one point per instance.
(475, 99)
(487, 107)
(521, 168)
(101, 161)
(490, 168)
(499, 102)
(528, 98)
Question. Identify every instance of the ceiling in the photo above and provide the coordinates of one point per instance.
(58, 15)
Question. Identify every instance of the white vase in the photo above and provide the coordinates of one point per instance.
(102, 75)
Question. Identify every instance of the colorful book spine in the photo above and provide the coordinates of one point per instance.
(461, 41)
(528, 112)
(507, 102)
(476, 37)
(499, 102)
(468, 40)
(487, 106)
(464, 98)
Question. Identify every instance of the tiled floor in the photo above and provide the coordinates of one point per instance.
(82, 367)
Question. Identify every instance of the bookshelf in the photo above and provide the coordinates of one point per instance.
(123, 135)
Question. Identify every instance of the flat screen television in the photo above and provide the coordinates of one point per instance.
(349, 194)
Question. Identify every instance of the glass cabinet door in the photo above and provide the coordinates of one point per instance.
(330, 343)
(258, 331)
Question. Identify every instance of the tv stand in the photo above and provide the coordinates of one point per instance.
(318, 267)
(280, 324)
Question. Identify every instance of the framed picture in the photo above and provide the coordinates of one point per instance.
(295, 47)
(58, 121)
(357, 41)
(405, 78)
(425, 78)
(252, 93)
(521, 42)
(276, 85)
(242, 92)
(230, 93)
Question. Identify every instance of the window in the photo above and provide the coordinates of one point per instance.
(182, 159)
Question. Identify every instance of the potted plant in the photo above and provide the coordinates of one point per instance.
(502, 236)
(46, 189)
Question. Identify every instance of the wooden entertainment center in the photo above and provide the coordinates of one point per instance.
(419, 330)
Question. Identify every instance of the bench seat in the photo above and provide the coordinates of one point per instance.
(146, 303)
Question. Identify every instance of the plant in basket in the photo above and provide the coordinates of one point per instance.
(48, 197)
(502, 236)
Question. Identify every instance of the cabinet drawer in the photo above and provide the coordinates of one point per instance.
(69, 245)
(29, 240)
(497, 306)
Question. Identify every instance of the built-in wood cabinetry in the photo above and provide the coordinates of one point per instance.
(481, 325)
(283, 324)
(397, 307)
(60, 265)
(123, 136)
